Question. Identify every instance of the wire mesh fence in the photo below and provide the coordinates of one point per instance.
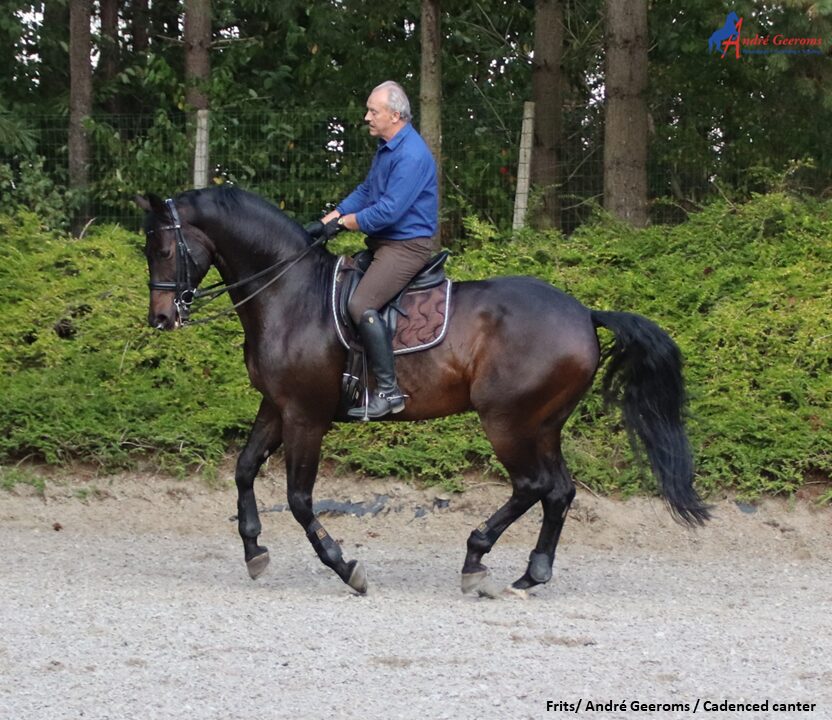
(304, 161)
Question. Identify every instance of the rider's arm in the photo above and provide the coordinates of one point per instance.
(409, 176)
(355, 201)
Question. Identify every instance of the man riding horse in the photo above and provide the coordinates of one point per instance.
(397, 207)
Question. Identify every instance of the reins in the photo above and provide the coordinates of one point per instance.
(186, 295)
(212, 292)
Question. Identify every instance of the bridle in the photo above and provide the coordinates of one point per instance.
(185, 293)
(182, 288)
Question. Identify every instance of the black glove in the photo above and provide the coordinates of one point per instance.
(317, 229)
(332, 228)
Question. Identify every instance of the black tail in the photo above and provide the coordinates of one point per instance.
(644, 377)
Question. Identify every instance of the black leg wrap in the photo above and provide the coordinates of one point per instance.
(540, 567)
(248, 522)
(327, 549)
(481, 542)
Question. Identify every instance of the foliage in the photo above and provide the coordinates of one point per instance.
(702, 126)
(289, 80)
(742, 289)
(436, 452)
(83, 376)
(27, 185)
(15, 135)
(151, 157)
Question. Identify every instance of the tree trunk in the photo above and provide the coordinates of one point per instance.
(80, 103)
(625, 129)
(430, 86)
(197, 58)
(546, 92)
(139, 20)
(108, 66)
(52, 44)
(197, 73)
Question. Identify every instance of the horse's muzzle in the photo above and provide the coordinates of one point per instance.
(164, 321)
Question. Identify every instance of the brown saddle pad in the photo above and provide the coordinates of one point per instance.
(418, 318)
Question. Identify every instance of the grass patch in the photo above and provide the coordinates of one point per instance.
(11, 477)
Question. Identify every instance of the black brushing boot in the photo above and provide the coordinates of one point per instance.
(386, 398)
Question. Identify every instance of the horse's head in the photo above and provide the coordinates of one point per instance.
(731, 20)
(178, 257)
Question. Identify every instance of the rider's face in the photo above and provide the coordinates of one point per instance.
(382, 122)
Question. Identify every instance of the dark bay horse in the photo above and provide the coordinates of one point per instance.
(518, 352)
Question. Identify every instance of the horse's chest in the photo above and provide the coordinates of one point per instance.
(255, 373)
(266, 371)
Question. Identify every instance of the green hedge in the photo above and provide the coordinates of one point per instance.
(744, 290)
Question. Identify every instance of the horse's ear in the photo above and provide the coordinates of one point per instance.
(142, 202)
(151, 203)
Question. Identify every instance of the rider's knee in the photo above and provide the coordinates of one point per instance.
(361, 313)
(356, 310)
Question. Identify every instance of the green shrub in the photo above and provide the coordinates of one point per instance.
(744, 290)
(84, 378)
(29, 186)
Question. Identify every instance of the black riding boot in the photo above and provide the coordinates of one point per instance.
(386, 398)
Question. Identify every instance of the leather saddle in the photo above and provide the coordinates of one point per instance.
(417, 318)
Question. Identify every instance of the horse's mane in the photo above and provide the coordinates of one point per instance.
(262, 226)
(253, 217)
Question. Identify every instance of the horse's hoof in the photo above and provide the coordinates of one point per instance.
(358, 578)
(480, 583)
(512, 591)
(471, 581)
(257, 565)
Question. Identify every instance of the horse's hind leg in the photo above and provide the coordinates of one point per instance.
(303, 451)
(520, 457)
(483, 538)
(555, 506)
(264, 439)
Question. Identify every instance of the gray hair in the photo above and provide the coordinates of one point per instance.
(396, 99)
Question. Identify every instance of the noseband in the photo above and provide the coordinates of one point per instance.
(183, 289)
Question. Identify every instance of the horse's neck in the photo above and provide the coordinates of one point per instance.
(238, 257)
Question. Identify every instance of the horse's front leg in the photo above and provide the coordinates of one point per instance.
(303, 453)
(265, 437)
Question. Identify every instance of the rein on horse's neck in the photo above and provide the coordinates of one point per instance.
(249, 240)
(249, 246)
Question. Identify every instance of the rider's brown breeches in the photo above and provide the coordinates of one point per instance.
(394, 264)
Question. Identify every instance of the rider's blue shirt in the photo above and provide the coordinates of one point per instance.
(399, 198)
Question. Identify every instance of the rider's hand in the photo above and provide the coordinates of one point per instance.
(315, 228)
(332, 228)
